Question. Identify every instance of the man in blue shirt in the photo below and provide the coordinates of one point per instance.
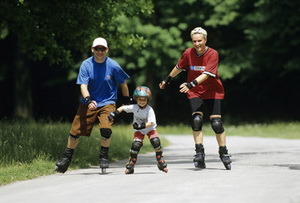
(98, 78)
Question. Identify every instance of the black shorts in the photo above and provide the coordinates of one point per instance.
(213, 105)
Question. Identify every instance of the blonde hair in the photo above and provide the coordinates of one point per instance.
(199, 30)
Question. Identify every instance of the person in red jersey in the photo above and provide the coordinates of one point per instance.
(203, 88)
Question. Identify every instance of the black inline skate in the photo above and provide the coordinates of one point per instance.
(130, 165)
(199, 157)
(103, 159)
(161, 163)
(63, 164)
(225, 157)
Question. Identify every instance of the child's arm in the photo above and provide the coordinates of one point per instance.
(115, 113)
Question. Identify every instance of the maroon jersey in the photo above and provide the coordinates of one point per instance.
(196, 65)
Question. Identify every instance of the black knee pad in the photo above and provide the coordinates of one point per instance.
(105, 133)
(136, 146)
(73, 137)
(217, 125)
(197, 121)
(156, 143)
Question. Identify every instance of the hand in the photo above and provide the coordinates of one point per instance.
(92, 105)
(165, 82)
(183, 88)
(139, 126)
(162, 85)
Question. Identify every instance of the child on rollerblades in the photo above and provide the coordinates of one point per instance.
(144, 123)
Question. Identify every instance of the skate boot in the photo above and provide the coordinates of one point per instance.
(199, 157)
(63, 164)
(161, 163)
(103, 159)
(130, 165)
(225, 157)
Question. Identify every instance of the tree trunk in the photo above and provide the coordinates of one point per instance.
(22, 89)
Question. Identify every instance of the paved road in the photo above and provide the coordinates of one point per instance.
(263, 171)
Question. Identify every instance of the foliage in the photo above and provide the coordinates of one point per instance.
(256, 41)
(58, 33)
(267, 34)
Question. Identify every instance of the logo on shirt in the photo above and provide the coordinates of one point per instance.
(197, 68)
(108, 77)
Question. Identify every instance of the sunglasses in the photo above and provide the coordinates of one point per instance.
(100, 48)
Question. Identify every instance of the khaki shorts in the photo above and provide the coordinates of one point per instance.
(84, 119)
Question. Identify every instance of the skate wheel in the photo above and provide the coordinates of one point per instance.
(199, 165)
(103, 170)
(129, 171)
(59, 170)
(228, 166)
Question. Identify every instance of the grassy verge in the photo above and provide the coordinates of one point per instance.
(30, 149)
(286, 130)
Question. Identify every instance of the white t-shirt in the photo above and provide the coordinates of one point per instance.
(145, 115)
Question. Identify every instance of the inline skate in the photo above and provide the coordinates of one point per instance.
(199, 157)
(130, 166)
(161, 163)
(63, 164)
(225, 157)
(103, 159)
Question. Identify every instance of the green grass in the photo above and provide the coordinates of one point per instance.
(286, 130)
(30, 149)
(23, 171)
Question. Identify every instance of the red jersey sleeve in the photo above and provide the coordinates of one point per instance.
(212, 63)
(184, 61)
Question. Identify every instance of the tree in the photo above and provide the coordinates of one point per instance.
(256, 40)
(56, 31)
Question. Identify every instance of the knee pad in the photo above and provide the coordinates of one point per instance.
(197, 121)
(136, 146)
(156, 143)
(217, 125)
(105, 133)
(73, 137)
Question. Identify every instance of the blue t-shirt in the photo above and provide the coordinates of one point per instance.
(102, 79)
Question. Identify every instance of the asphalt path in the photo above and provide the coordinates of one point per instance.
(264, 170)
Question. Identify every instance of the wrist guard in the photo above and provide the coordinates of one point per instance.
(139, 126)
(112, 115)
(116, 112)
(87, 100)
(168, 79)
(192, 84)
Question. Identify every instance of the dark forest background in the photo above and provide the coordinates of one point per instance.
(42, 44)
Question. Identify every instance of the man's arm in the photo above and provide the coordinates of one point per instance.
(125, 93)
(86, 95)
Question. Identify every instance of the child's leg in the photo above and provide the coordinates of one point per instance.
(155, 142)
(135, 148)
